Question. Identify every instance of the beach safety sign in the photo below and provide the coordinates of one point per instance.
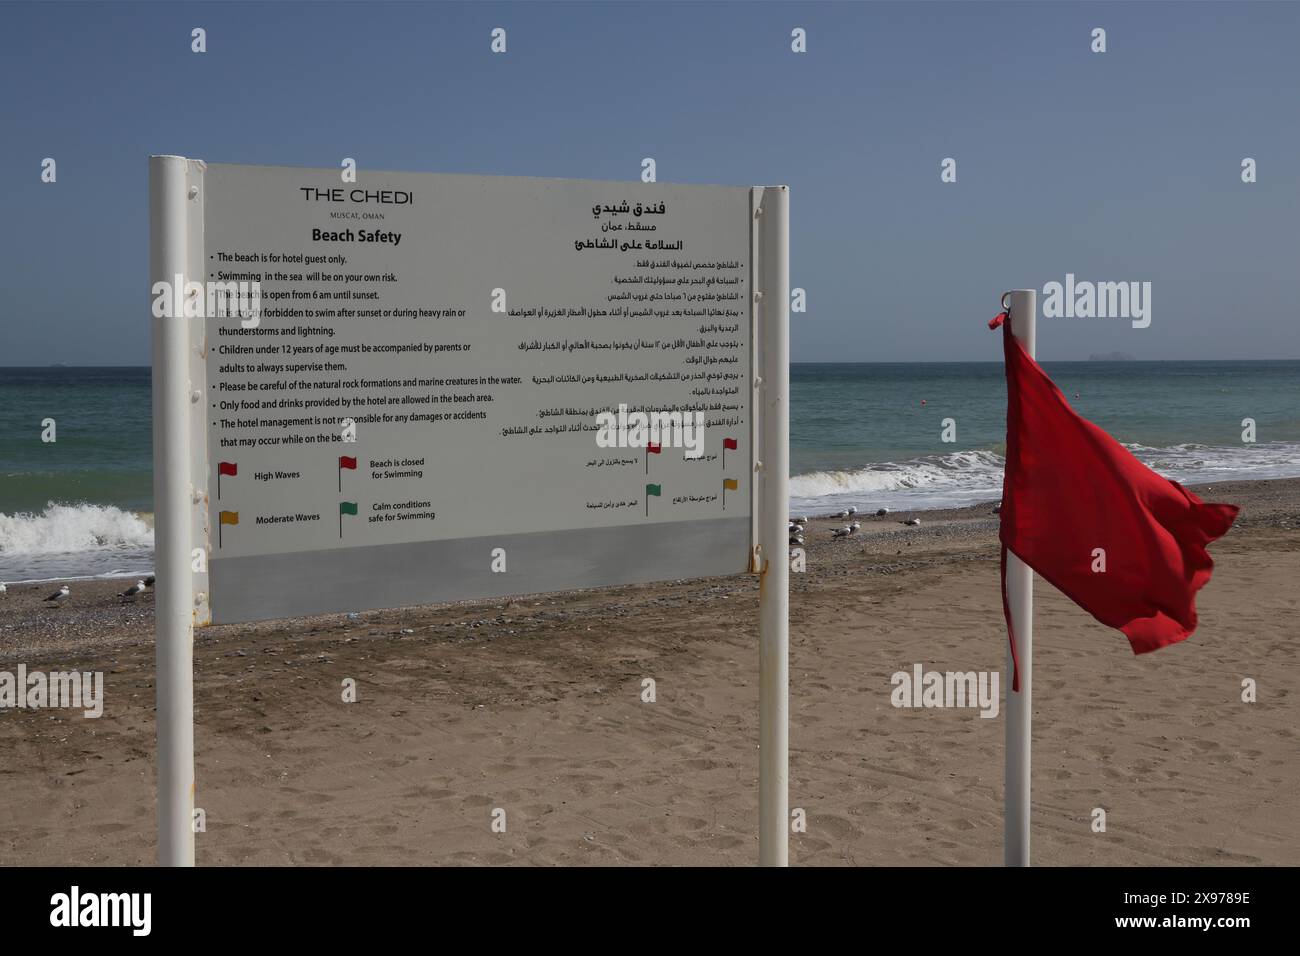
(425, 387)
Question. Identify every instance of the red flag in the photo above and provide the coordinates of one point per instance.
(1070, 488)
(346, 462)
(652, 448)
(730, 443)
(227, 468)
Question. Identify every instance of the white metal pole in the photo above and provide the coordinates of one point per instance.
(174, 607)
(774, 535)
(1020, 600)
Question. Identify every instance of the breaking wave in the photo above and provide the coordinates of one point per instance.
(74, 540)
(962, 478)
(933, 481)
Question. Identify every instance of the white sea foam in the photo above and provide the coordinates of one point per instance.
(74, 539)
(966, 477)
(933, 481)
(67, 541)
(1192, 463)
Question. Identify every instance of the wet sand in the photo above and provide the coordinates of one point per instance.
(533, 705)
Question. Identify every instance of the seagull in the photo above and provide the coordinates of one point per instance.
(59, 596)
(881, 512)
(3, 589)
(997, 508)
(148, 582)
(800, 520)
(852, 512)
(912, 522)
(854, 527)
(133, 591)
(841, 532)
(843, 514)
(797, 539)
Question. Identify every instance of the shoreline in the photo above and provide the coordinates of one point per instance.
(96, 618)
(946, 512)
(533, 703)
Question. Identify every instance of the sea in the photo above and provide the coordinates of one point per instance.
(870, 435)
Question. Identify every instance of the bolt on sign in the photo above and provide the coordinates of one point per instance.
(423, 387)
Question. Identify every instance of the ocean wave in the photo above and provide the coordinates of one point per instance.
(85, 539)
(931, 481)
(1192, 463)
(63, 528)
(966, 477)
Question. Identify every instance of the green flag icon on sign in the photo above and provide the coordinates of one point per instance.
(650, 490)
(345, 508)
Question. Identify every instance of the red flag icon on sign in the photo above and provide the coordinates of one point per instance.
(348, 463)
(225, 468)
(1072, 495)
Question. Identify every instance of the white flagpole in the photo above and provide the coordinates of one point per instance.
(1020, 600)
(174, 606)
(773, 530)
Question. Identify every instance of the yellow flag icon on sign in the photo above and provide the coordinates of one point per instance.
(224, 518)
(728, 484)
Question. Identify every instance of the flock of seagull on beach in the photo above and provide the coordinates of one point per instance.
(64, 593)
(61, 596)
(797, 525)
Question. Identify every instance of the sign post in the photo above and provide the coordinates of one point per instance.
(169, 227)
(773, 393)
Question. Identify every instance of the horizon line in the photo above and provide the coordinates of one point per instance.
(1112, 361)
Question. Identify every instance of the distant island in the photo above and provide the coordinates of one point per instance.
(1110, 357)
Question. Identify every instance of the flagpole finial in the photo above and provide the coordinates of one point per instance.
(1004, 316)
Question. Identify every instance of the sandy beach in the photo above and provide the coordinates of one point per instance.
(533, 705)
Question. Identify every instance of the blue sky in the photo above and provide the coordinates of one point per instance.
(1115, 166)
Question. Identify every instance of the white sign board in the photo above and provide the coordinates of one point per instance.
(439, 395)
